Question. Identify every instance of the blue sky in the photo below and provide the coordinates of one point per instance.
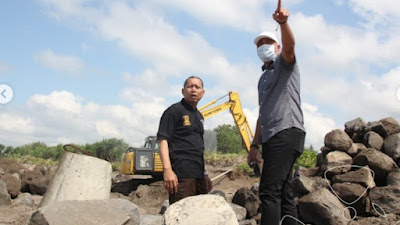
(85, 70)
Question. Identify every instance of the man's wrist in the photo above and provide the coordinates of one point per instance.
(254, 146)
(281, 22)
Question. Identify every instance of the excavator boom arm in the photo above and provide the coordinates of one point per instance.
(239, 117)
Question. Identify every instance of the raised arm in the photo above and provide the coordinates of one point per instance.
(281, 16)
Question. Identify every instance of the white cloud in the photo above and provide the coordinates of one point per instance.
(60, 118)
(386, 11)
(62, 63)
(336, 60)
(15, 124)
(317, 126)
(57, 101)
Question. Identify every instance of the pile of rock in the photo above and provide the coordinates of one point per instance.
(357, 178)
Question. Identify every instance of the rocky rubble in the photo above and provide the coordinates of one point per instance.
(360, 167)
(356, 182)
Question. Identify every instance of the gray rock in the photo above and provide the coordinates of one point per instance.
(303, 185)
(308, 172)
(87, 212)
(373, 140)
(362, 176)
(355, 128)
(385, 200)
(247, 199)
(323, 207)
(377, 127)
(200, 210)
(24, 199)
(377, 161)
(391, 125)
(218, 192)
(239, 211)
(336, 162)
(338, 140)
(255, 188)
(393, 179)
(353, 195)
(5, 198)
(391, 146)
(13, 184)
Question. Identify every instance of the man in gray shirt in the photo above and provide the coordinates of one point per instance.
(280, 127)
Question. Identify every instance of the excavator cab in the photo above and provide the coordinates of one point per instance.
(144, 160)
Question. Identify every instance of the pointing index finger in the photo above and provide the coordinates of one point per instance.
(279, 5)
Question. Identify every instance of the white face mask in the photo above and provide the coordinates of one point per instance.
(266, 52)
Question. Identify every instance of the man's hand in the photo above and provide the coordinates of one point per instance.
(170, 181)
(252, 157)
(281, 15)
(208, 183)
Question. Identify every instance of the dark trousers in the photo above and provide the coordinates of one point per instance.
(276, 193)
(188, 187)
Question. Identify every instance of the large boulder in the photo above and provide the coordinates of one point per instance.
(87, 212)
(355, 129)
(373, 140)
(391, 146)
(377, 161)
(36, 180)
(391, 125)
(24, 199)
(247, 199)
(323, 207)
(377, 127)
(13, 184)
(362, 176)
(385, 200)
(79, 177)
(393, 179)
(200, 210)
(303, 185)
(336, 162)
(5, 198)
(338, 140)
(353, 195)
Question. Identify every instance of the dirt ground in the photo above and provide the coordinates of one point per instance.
(149, 198)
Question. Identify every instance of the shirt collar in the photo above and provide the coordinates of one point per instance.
(187, 106)
(270, 66)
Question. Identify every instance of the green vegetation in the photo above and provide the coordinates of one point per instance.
(229, 151)
(308, 159)
(39, 153)
(228, 139)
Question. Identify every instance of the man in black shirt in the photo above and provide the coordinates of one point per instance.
(181, 144)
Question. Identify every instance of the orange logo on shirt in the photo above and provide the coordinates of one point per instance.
(186, 120)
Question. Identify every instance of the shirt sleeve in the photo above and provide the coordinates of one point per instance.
(167, 125)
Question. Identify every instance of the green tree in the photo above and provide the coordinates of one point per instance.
(308, 159)
(108, 149)
(228, 139)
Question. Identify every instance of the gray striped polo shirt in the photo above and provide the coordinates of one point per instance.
(279, 98)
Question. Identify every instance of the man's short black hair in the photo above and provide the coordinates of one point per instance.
(184, 84)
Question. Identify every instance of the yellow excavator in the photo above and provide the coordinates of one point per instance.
(146, 160)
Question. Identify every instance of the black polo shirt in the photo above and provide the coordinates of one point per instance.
(182, 127)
